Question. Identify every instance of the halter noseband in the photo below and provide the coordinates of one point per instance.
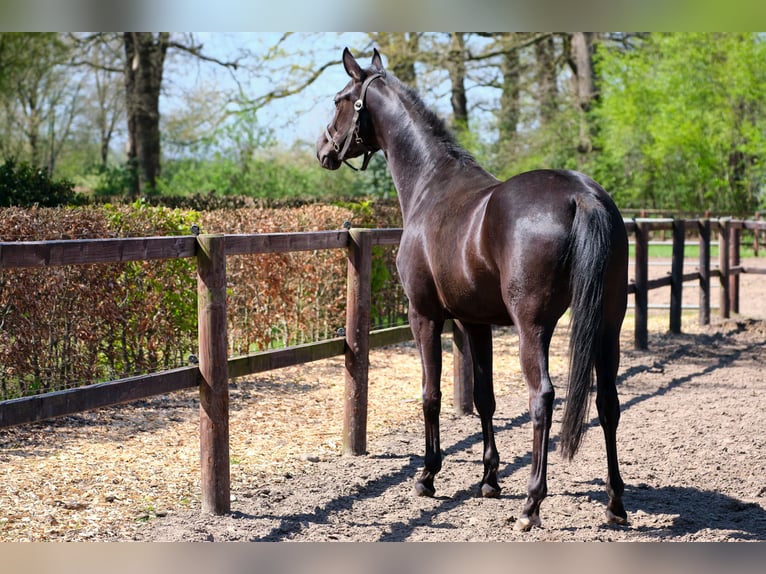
(353, 129)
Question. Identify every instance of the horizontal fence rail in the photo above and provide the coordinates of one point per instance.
(215, 368)
(87, 251)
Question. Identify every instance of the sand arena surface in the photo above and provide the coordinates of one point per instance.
(690, 442)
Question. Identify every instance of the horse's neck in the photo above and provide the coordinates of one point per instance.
(418, 160)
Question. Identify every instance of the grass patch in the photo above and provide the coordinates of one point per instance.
(691, 250)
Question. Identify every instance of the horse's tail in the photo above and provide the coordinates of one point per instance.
(589, 252)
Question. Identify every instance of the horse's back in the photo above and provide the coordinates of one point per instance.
(548, 192)
(495, 250)
(531, 214)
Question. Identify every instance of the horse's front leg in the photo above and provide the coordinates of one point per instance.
(427, 333)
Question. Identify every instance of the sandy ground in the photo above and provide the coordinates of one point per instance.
(691, 445)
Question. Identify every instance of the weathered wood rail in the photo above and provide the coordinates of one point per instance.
(214, 370)
(729, 234)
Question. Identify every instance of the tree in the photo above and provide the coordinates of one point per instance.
(456, 67)
(40, 97)
(143, 68)
(144, 63)
(581, 50)
(509, 113)
(546, 76)
(682, 122)
(533, 114)
(402, 50)
(107, 102)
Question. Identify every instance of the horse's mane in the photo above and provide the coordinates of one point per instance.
(439, 129)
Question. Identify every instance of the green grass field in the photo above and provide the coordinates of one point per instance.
(665, 251)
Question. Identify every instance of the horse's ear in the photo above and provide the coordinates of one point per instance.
(377, 62)
(353, 69)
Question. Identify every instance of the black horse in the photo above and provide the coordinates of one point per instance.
(486, 252)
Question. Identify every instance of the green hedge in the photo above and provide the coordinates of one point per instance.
(22, 185)
(62, 327)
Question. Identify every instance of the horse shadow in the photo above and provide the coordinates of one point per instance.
(693, 510)
(689, 511)
(398, 531)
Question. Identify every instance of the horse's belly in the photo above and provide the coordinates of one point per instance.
(475, 303)
(479, 311)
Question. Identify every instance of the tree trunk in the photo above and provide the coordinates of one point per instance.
(547, 89)
(456, 67)
(32, 127)
(145, 57)
(582, 48)
(509, 97)
(581, 61)
(107, 116)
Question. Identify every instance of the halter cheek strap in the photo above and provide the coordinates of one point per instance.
(353, 129)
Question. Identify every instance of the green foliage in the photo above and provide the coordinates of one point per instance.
(169, 286)
(22, 185)
(552, 145)
(114, 182)
(65, 326)
(682, 122)
(272, 174)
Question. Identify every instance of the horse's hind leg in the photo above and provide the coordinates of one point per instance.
(608, 405)
(534, 341)
(480, 337)
(427, 335)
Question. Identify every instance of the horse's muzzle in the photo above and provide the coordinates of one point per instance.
(326, 153)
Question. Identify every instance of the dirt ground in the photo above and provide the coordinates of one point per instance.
(691, 446)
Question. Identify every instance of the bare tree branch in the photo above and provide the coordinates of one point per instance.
(284, 92)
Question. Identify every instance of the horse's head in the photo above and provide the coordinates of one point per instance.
(351, 133)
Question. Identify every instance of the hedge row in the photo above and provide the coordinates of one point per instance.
(67, 326)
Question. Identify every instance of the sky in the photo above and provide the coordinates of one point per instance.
(390, 15)
(299, 117)
(232, 23)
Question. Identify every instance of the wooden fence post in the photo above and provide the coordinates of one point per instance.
(723, 266)
(641, 337)
(358, 300)
(462, 371)
(213, 367)
(704, 270)
(676, 275)
(735, 234)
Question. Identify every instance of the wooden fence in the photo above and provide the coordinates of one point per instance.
(215, 369)
(729, 234)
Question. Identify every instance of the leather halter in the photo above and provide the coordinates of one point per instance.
(353, 129)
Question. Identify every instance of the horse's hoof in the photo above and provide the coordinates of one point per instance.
(489, 491)
(613, 518)
(423, 490)
(525, 523)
